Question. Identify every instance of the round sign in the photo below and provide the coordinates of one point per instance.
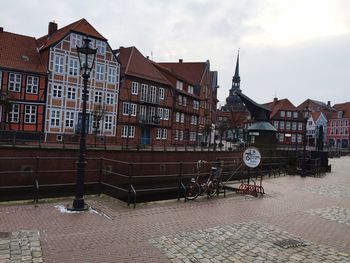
(251, 157)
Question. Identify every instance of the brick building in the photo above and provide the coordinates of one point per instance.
(288, 121)
(65, 84)
(338, 127)
(145, 102)
(23, 79)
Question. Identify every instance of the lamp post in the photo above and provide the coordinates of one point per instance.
(86, 56)
(306, 113)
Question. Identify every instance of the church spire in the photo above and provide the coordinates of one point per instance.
(236, 80)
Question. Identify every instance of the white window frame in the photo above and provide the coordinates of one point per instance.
(176, 137)
(282, 125)
(179, 85)
(59, 64)
(73, 67)
(295, 114)
(101, 47)
(182, 117)
(289, 114)
(177, 117)
(160, 113)
(144, 92)
(134, 88)
(32, 85)
(275, 123)
(282, 113)
(300, 138)
(128, 130)
(287, 125)
(184, 101)
(112, 75)
(108, 122)
(153, 94)
(30, 112)
(71, 93)
(180, 99)
(281, 137)
(14, 114)
(109, 98)
(300, 126)
(55, 118)
(294, 126)
(129, 109)
(181, 135)
(190, 89)
(98, 96)
(166, 113)
(69, 119)
(75, 40)
(161, 93)
(15, 82)
(57, 91)
(100, 72)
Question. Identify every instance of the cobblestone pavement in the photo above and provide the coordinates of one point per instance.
(23, 246)
(337, 214)
(237, 228)
(246, 242)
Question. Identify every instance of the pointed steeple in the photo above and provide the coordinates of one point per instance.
(236, 80)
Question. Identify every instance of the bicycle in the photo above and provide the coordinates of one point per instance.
(194, 189)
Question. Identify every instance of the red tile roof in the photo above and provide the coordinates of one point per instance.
(315, 115)
(81, 26)
(135, 64)
(276, 106)
(344, 107)
(192, 72)
(19, 52)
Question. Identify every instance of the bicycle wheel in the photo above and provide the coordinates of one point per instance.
(193, 190)
(213, 188)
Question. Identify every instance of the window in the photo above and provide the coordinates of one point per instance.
(294, 126)
(293, 138)
(281, 137)
(287, 125)
(194, 120)
(99, 72)
(193, 136)
(166, 114)
(180, 99)
(179, 85)
(283, 113)
(98, 97)
(134, 88)
(30, 114)
(55, 118)
(14, 82)
(110, 98)
(289, 114)
(73, 66)
(14, 114)
(196, 105)
(177, 117)
(300, 126)
(161, 93)
(143, 112)
(57, 91)
(75, 40)
(160, 113)
(300, 138)
(282, 125)
(32, 84)
(129, 109)
(96, 123)
(144, 90)
(108, 122)
(128, 131)
(295, 114)
(181, 135)
(190, 89)
(71, 93)
(184, 101)
(182, 118)
(162, 134)
(176, 137)
(101, 47)
(153, 94)
(87, 94)
(112, 75)
(275, 123)
(59, 64)
(69, 119)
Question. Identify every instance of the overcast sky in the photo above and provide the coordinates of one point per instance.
(295, 49)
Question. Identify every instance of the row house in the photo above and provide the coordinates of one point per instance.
(315, 123)
(65, 84)
(23, 79)
(339, 126)
(288, 121)
(186, 106)
(145, 101)
(198, 88)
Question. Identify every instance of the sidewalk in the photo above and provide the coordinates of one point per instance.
(298, 220)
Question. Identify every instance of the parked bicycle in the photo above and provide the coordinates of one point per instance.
(210, 187)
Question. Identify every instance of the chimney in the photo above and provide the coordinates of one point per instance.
(329, 103)
(275, 99)
(1, 29)
(180, 60)
(52, 28)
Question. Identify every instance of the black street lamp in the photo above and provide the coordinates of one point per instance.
(306, 113)
(87, 57)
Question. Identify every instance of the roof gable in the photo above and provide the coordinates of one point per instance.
(192, 72)
(81, 26)
(135, 64)
(280, 105)
(19, 52)
(344, 107)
